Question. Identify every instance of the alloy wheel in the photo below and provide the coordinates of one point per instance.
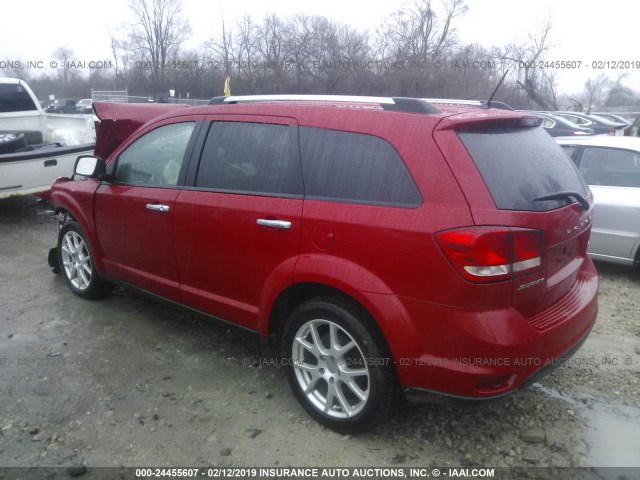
(330, 368)
(76, 260)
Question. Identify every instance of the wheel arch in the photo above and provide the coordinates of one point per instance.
(636, 254)
(87, 229)
(296, 294)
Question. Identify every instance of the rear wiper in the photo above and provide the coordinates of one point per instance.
(565, 194)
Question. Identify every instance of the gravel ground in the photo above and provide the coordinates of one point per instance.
(127, 382)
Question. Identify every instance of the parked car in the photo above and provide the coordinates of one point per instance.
(611, 167)
(84, 105)
(558, 126)
(376, 243)
(599, 125)
(61, 106)
(612, 117)
(634, 129)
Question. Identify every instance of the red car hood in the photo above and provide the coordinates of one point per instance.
(119, 120)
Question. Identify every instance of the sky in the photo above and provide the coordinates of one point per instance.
(595, 34)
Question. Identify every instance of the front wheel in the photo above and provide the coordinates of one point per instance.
(338, 365)
(77, 264)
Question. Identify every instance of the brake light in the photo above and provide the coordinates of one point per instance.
(612, 131)
(491, 254)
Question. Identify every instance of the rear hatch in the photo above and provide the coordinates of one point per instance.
(529, 199)
(119, 120)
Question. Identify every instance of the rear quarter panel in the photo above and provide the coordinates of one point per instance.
(616, 223)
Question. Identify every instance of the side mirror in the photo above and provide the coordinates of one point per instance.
(90, 166)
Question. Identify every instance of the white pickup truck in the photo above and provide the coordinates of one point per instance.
(37, 147)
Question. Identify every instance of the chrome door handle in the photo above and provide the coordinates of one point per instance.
(157, 208)
(281, 224)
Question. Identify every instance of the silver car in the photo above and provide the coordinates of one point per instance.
(611, 167)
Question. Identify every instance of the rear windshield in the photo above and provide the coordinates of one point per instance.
(14, 98)
(520, 164)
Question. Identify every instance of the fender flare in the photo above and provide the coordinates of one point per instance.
(349, 278)
(65, 202)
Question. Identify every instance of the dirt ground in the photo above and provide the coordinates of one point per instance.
(127, 382)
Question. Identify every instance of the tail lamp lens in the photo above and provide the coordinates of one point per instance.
(490, 254)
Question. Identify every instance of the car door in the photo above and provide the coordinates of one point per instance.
(614, 177)
(237, 226)
(134, 212)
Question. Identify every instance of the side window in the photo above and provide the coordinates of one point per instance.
(354, 167)
(568, 150)
(256, 158)
(611, 166)
(155, 159)
(548, 123)
(578, 120)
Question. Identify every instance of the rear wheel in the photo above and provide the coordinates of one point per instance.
(76, 263)
(338, 365)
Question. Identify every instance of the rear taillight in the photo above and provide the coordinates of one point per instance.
(491, 254)
(612, 131)
(579, 132)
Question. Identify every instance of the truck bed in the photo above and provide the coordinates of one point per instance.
(33, 172)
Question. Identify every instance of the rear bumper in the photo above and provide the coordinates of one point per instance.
(415, 393)
(488, 354)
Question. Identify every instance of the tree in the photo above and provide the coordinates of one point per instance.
(420, 35)
(64, 55)
(330, 51)
(620, 95)
(159, 30)
(540, 84)
(594, 90)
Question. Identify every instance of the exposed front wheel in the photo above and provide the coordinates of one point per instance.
(339, 368)
(77, 264)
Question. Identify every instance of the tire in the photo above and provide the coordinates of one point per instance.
(77, 265)
(338, 365)
(10, 142)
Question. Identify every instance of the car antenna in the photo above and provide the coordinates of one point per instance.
(487, 104)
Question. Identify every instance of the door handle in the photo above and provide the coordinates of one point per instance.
(280, 224)
(154, 207)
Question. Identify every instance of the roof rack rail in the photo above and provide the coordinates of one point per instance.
(473, 103)
(397, 104)
(452, 101)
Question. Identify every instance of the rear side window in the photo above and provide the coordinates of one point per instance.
(520, 164)
(352, 167)
(255, 158)
(548, 123)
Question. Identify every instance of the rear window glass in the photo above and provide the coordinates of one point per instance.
(14, 98)
(354, 167)
(520, 164)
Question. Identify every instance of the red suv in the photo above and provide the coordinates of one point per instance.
(376, 243)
